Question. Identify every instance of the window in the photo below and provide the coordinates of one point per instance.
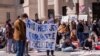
(64, 10)
(77, 8)
(96, 10)
(51, 13)
(21, 1)
(8, 15)
(97, 0)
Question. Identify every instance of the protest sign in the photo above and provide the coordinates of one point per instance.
(41, 36)
(64, 19)
(72, 17)
(83, 17)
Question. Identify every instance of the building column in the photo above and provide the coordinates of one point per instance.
(57, 8)
(43, 9)
(39, 9)
(81, 6)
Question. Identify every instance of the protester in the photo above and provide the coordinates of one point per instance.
(68, 31)
(86, 30)
(36, 19)
(67, 46)
(58, 38)
(95, 27)
(9, 35)
(88, 44)
(80, 30)
(50, 21)
(94, 36)
(62, 29)
(2, 42)
(98, 23)
(61, 35)
(25, 18)
(20, 35)
(14, 42)
(73, 36)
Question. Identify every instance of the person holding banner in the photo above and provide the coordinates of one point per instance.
(36, 19)
(20, 36)
(50, 21)
(42, 36)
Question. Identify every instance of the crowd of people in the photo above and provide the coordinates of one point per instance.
(82, 35)
(71, 36)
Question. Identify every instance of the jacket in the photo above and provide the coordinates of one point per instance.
(19, 30)
(62, 29)
(9, 31)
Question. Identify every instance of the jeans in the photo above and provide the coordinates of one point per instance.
(81, 38)
(14, 46)
(9, 45)
(68, 49)
(20, 48)
(86, 35)
(26, 49)
(67, 35)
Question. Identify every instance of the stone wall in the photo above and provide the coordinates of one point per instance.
(3, 14)
(31, 8)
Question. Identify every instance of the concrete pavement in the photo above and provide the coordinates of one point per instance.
(59, 53)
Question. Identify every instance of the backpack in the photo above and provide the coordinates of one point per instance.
(97, 47)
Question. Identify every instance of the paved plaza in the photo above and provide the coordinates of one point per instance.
(59, 53)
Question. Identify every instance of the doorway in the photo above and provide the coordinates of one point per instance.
(51, 13)
(96, 10)
(64, 10)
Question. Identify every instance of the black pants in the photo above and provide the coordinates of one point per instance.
(59, 36)
(52, 52)
(26, 49)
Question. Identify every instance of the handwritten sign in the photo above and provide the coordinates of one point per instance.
(73, 17)
(42, 36)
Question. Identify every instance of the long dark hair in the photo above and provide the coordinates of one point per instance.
(73, 25)
(73, 36)
(8, 23)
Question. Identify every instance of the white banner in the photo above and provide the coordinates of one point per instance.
(83, 17)
(64, 19)
(42, 36)
(73, 17)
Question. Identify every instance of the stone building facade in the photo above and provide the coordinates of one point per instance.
(10, 9)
